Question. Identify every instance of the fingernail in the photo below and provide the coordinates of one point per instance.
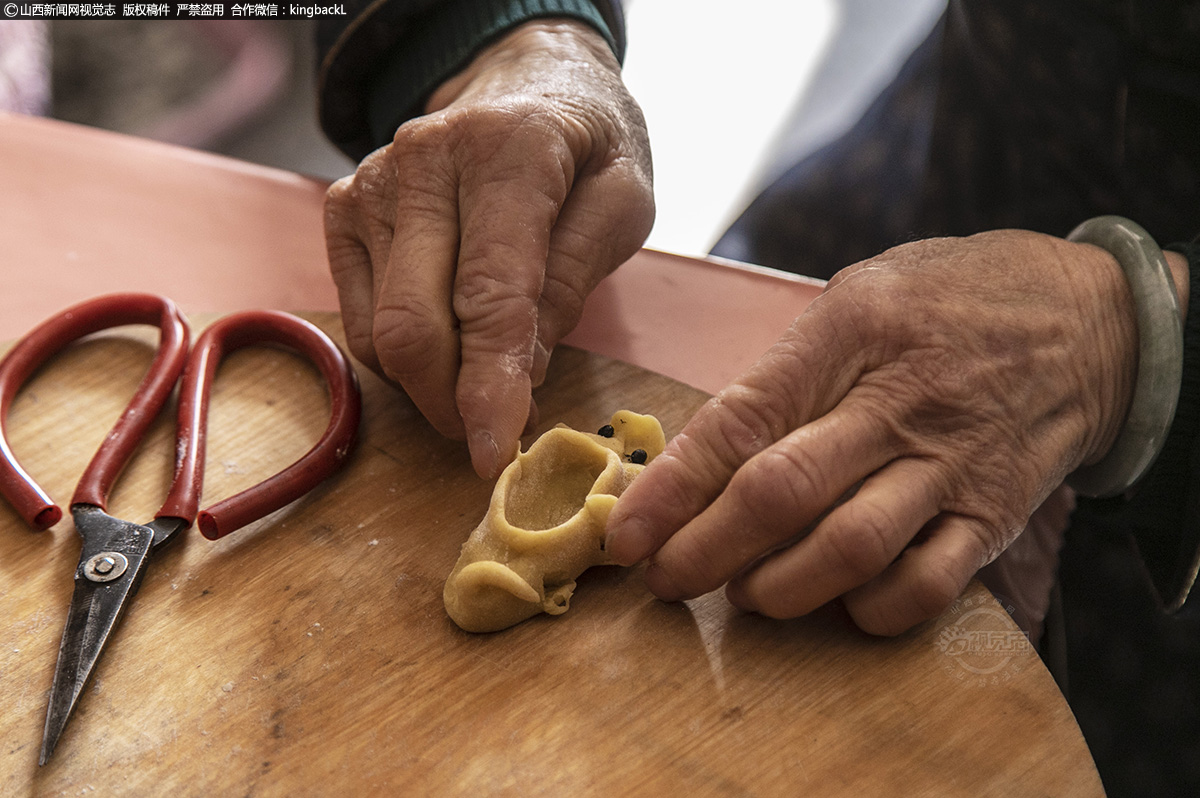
(661, 585)
(485, 454)
(630, 542)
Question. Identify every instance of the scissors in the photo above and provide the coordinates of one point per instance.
(115, 552)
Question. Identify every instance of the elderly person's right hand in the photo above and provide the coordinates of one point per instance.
(898, 437)
(463, 250)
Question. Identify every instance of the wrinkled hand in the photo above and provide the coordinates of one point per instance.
(897, 438)
(463, 251)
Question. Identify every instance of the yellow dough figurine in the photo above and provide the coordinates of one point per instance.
(545, 524)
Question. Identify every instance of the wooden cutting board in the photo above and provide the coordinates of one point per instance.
(310, 654)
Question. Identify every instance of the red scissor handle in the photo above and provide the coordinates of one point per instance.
(325, 457)
(51, 336)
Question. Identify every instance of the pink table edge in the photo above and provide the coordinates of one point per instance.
(86, 212)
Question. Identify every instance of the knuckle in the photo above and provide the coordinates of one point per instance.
(487, 301)
(746, 420)
(424, 133)
(783, 477)
(404, 337)
(347, 259)
(1000, 512)
(858, 552)
(869, 308)
(765, 486)
(480, 132)
(340, 208)
(861, 544)
(419, 166)
(371, 179)
(339, 192)
(362, 206)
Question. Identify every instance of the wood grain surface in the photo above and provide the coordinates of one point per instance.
(310, 653)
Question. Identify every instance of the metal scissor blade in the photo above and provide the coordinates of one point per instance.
(110, 570)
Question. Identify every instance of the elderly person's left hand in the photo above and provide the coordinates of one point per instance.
(899, 435)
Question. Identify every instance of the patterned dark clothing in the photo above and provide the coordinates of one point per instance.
(379, 63)
(1033, 114)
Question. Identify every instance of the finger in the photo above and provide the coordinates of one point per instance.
(771, 499)
(856, 542)
(505, 241)
(924, 581)
(350, 267)
(415, 333)
(601, 225)
(690, 473)
(801, 377)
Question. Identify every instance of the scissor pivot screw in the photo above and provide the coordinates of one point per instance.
(105, 566)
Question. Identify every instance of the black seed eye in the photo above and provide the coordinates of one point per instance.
(638, 456)
(606, 431)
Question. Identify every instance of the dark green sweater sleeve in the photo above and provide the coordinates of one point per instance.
(379, 64)
(1163, 510)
